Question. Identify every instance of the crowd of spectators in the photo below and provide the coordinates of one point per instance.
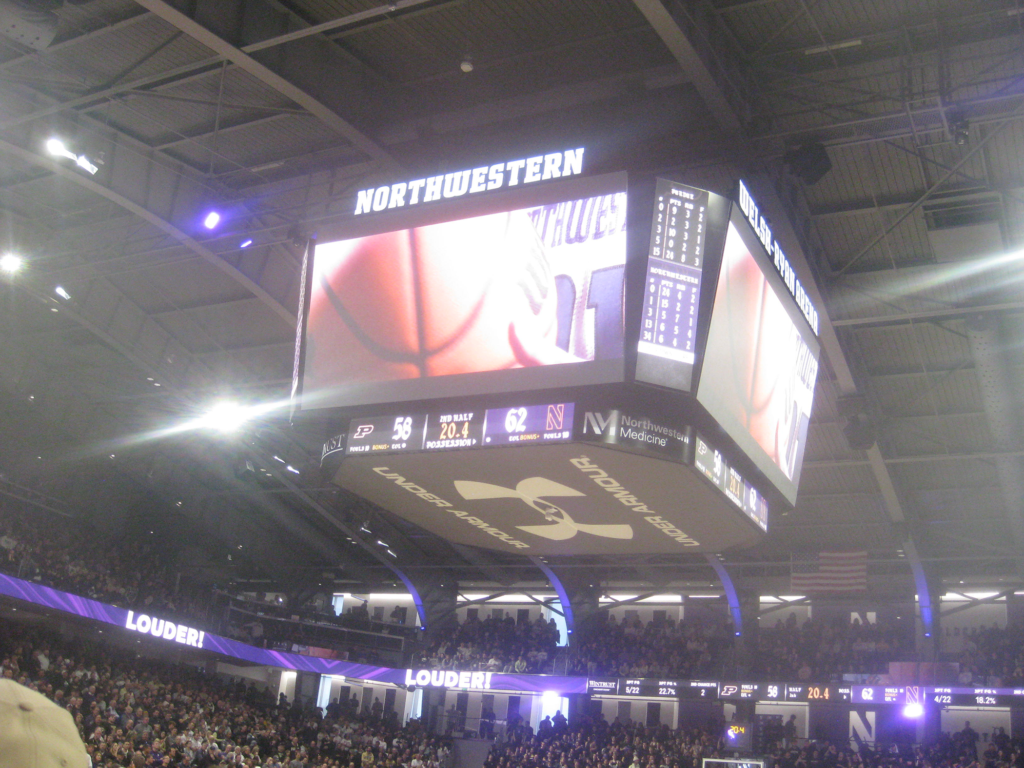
(591, 742)
(633, 648)
(130, 573)
(992, 656)
(136, 713)
(67, 554)
(494, 645)
(630, 647)
(826, 650)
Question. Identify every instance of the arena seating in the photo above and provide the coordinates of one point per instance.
(129, 573)
(69, 555)
(631, 648)
(134, 712)
(594, 743)
(494, 645)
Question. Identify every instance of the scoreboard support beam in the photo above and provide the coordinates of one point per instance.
(563, 595)
(715, 561)
(721, 90)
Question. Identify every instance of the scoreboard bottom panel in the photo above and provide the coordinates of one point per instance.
(534, 492)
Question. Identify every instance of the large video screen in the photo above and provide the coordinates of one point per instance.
(760, 361)
(529, 297)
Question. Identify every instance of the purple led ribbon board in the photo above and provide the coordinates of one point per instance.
(183, 634)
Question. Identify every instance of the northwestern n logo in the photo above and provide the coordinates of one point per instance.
(532, 491)
(862, 728)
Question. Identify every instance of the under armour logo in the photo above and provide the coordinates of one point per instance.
(532, 491)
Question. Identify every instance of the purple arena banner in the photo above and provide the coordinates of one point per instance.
(183, 634)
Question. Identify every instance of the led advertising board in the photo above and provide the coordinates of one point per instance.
(469, 294)
(710, 463)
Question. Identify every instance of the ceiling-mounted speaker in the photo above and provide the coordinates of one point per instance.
(860, 433)
(809, 162)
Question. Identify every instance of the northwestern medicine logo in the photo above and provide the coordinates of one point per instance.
(532, 492)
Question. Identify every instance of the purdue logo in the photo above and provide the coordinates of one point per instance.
(532, 492)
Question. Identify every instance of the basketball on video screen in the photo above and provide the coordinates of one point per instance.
(430, 301)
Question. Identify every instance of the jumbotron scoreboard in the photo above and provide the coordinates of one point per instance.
(524, 357)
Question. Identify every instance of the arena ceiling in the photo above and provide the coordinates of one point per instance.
(275, 111)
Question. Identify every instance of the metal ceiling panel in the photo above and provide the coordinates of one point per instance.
(928, 435)
(918, 394)
(178, 284)
(225, 326)
(834, 479)
(131, 51)
(246, 147)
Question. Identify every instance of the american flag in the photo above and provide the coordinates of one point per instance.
(830, 572)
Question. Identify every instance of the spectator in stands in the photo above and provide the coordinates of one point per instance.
(147, 714)
(494, 645)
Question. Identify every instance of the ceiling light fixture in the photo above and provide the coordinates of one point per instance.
(57, 148)
(832, 47)
(245, 243)
(212, 220)
(59, 290)
(10, 263)
(267, 166)
(467, 64)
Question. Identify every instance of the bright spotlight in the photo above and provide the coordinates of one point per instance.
(212, 220)
(59, 290)
(226, 417)
(913, 710)
(56, 147)
(10, 263)
(245, 243)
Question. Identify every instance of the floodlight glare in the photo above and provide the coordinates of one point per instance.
(10, 263)
(913, 710)
(226, 417)
(245, 243)
(59, 290)
(212, 220)
(56, 147)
